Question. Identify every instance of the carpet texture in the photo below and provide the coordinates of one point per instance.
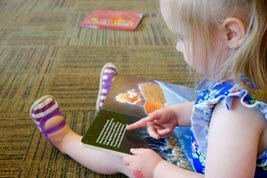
(44, 51)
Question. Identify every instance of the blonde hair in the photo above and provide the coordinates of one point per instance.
(206, 16)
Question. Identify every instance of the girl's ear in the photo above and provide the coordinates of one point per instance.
(234, 32)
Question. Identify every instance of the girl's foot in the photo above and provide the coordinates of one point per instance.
(48, 117)
(108, 72)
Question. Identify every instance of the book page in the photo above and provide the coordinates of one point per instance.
(108, 132)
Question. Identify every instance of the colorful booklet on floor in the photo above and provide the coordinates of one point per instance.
(113, 19)
(129, 100)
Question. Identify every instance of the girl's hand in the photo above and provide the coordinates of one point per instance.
(142, 163)
(160, 123)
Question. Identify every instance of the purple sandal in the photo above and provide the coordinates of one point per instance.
(44, 109)
(108, 72)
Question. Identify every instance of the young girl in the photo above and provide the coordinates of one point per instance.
(226, 40)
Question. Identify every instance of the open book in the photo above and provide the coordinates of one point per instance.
(129, 100)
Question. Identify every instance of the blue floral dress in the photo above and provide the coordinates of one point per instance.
(187, 147)
(223, 93)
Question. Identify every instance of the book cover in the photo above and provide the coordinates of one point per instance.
(113, 19)
(129, 100)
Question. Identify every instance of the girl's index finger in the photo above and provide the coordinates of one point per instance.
(139, 124)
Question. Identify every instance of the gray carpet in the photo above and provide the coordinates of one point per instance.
(44, 51)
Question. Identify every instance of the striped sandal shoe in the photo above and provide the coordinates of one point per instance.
(44, 109)
(108, 72)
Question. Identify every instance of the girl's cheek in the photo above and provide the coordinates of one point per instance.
(179, 46)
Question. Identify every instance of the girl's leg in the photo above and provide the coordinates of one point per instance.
(49, 119)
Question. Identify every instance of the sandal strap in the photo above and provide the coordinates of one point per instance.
(45, 118)
(54, 129)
